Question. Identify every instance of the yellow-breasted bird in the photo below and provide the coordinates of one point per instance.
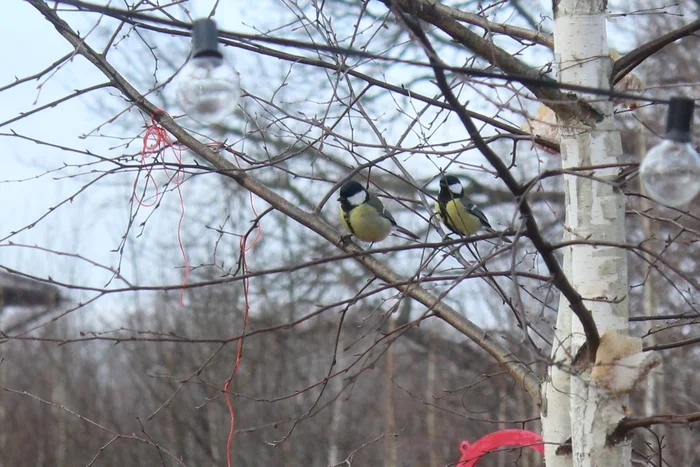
(364, 215)
(457, 211)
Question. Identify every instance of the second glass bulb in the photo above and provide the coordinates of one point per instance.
(670, 173)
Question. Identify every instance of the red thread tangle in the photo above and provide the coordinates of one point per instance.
(239, 348)
(472, 452)
(156, 140)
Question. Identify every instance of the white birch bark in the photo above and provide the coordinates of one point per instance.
(654, 400)
(336, 386)
(4, 419)
(58, 395)
(594, 211)
(556, 420)
(213, 420)
(390, 453)
(502, 396)
(431, 421)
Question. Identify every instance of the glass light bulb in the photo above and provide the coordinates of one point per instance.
(670, 173)
(208, 89)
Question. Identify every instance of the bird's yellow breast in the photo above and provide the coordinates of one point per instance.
(459, 220)
(366, 224)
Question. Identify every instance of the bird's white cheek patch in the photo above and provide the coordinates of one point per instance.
(456, 189)
(357, 198)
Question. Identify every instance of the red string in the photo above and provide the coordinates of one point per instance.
(155, 141)
(471, 453)
(239, 347)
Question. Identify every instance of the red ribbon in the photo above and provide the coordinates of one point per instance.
(471, 453)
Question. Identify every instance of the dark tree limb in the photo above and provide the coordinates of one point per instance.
(629, 424)
(535, 35)
(559, 279)
(632, 60)
(673, 345)
(243, 41)
(566, 105)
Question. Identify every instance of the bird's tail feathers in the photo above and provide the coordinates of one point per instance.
(407, 232)
(490, 230)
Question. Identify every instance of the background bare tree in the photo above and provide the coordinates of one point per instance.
(354, 355)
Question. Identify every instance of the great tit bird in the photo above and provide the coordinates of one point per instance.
(457, 211)
(364, 215)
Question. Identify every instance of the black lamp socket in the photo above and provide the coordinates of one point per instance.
(679, 119)
(205, 39)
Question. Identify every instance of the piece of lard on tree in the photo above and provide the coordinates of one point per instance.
(620, 362)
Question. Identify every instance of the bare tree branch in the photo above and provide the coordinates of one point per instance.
(567, 108)
(517, 369)
(632, 60)
(630, 423)
(533, 231)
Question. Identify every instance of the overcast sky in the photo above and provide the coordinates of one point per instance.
(93, 224)
(30, 45)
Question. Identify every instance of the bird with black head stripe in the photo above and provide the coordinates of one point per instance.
(364, 215)
(457, 211)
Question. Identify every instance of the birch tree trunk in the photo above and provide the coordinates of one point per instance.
(430, 413)
(502, 416)
(390, 454)
(336, 386)
(556, 421)
(213, 421)
(654, 400)
(4, 418)
(594, 211)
